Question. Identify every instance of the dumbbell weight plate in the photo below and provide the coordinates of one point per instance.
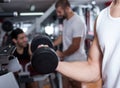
(44, 60)
(40, 40)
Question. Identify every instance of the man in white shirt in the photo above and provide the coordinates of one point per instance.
(104, 58)
(73, 36)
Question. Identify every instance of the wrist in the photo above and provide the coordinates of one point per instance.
(58, 67)
(63, 54)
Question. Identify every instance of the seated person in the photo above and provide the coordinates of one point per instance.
(22, 52)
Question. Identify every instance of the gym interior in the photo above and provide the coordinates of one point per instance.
(35, 18)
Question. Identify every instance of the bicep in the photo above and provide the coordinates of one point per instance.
(86, 71)
(79, 29)
(95, 56)
(95, 53)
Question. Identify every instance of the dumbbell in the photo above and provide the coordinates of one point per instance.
(44, 59)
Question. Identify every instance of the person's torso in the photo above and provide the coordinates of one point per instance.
(108, 31)
(68, 30)
(23, 58)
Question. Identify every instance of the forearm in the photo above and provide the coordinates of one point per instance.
(72, 49)
(80, 71)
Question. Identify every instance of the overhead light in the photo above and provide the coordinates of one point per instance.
(31, 14)
(93, 2)
(15, 13)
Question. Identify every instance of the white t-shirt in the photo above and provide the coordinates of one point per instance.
(108, 31)
(74, 27)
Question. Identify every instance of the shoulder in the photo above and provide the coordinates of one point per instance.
(103, 13)
(101, 17)
(64, 21)
(78, 19)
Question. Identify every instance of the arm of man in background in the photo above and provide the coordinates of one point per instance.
(77, 34)
(29, 51)
(87, 71)
(72, 48)
(58, 41)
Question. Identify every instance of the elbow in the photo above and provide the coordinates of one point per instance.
(94, 78)
(96, 75)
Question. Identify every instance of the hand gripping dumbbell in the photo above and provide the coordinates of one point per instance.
(44, 59)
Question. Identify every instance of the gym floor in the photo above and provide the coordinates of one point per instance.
(97, 84)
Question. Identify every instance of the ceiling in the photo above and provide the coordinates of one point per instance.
(40, 5)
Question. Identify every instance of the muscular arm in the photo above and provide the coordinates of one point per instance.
(87, 71)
